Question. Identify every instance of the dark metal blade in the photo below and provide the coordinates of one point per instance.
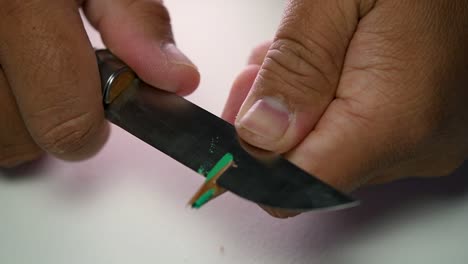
(198, 139)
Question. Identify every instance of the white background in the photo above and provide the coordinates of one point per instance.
(127, 205)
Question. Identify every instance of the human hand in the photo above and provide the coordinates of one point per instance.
(360, 92)
(50, 95)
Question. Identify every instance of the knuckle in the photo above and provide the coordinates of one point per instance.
(69, 135)
(154, 14)
(304, 68)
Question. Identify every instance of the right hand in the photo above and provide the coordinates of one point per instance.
(50, 95)
(360, 92)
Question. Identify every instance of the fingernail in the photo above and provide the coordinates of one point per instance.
(268, 119)
(175, 56)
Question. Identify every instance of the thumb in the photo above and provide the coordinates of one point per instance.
(299, 75)
(139, 32)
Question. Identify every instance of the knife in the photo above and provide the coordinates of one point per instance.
(201, 141)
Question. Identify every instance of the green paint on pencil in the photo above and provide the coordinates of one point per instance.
(222, 163)
(204, 198)
(225, 161)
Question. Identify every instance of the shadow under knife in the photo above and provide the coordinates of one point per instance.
(28, 171)
(382, 203)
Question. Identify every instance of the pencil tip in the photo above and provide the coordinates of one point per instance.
(204, 198)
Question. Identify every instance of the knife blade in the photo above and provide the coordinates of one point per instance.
(198, 139)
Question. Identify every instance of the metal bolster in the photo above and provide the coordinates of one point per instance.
(111, 69)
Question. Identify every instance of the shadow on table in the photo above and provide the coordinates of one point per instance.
(315, 236)
(381, 203)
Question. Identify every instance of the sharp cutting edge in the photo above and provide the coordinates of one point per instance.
(199, 139)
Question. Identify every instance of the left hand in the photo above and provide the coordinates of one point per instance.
(50, 92)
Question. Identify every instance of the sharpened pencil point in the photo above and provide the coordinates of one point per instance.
(204, 198)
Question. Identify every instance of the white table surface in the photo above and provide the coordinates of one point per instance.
(127, 204)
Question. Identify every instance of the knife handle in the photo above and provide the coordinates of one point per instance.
(115, 75)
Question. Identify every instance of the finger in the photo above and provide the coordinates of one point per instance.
(139, 32)
(16, 145)
(240, 89)
(338, 151)
(356, 141)
(432, 165)
(353, 139)
(52, 70)
(244, 82)
(239, 92)
(300, 73)
(280, 213)
(258, 54)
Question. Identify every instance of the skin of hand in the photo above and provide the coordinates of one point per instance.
(50, 95)
(360, 92)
